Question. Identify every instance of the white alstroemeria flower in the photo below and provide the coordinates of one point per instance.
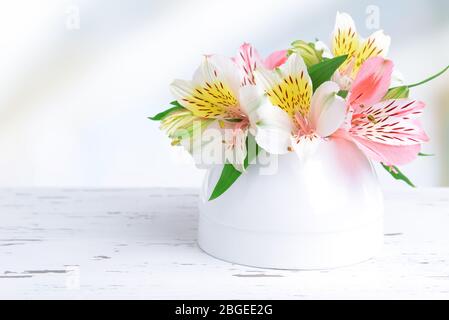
(294, 119)
(215, 93)
(346, 41)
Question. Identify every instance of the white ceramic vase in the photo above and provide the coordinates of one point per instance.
(320, 214)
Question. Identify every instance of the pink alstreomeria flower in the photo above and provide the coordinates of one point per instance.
(248, 59)
(386, 131)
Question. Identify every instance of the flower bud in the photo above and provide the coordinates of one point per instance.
(310, 55)
(397, 93)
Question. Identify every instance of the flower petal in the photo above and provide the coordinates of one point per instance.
(218, 67)
(273, 129)
(401, 108)
(321, 46)
(371, 83)
(377, 44)
(328, 110)
(345, 38)
(344, 80)
(250, 98)
(295, 65)
(389, 130)
(182, 89)
(305, 146)
(213, 91)
(235, 147)
(276, 59)
(248, 60)
(387, 154)
(290, 87)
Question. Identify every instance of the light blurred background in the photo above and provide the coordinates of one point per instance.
(78, 79)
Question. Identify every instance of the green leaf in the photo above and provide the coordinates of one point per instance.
(397, 93)
(229, 174)
(176, 104)
(165, 113)
(398, 175)
(425, 155)
(323, 71)
(252, 150)
(343, 93)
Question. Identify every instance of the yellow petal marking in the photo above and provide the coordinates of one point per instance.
(292, 94)
(345, 42)
(212, 100)
(366, 51)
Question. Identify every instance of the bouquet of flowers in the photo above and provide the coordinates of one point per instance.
(235, 108)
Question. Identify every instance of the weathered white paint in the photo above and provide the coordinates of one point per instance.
(140, 243)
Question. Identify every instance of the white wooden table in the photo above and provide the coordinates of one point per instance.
(140, 243)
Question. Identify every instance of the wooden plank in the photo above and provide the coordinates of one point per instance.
(141, 244)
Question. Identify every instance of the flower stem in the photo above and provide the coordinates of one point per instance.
(429, 79)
